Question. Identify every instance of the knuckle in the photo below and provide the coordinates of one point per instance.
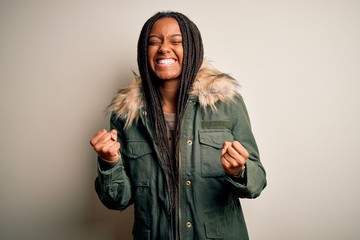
(236, 165)
(93, 141)
(101, 131)
(224, 163)
(97, 148)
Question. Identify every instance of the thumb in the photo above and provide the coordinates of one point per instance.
(225, 147)
(113, 134)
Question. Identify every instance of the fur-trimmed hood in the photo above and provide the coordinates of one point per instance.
(210, 86)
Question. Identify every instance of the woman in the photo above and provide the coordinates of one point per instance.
(181, 147)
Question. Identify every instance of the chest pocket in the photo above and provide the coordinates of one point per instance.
(211, 142)
(139, 158)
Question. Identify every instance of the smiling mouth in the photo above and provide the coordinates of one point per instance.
(165, 62)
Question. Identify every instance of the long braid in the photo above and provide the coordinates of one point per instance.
(192, 60)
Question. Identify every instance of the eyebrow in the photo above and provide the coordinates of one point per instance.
(158, 36)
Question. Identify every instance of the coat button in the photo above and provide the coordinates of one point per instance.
(189, 142)
(188, 182)
(188, 224)
(144, 113)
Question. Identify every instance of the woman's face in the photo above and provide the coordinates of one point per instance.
(165, 49)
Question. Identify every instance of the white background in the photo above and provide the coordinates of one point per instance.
(298, 62)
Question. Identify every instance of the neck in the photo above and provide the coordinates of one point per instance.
(169, 94)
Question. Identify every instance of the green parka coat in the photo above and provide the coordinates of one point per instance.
(208, 199)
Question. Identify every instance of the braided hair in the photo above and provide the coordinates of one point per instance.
(192, 60)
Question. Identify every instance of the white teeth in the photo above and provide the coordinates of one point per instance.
(166, 61)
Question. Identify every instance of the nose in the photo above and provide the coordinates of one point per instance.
(164, 47)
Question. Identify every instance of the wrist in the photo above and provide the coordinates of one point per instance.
(105, 165)
(113, 160)
(240, 174)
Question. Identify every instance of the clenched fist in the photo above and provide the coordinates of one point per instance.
(106, 145)
(233, 158)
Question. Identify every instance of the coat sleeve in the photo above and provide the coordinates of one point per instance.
(113, 185)
(254, 180)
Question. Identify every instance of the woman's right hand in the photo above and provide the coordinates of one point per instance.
(106, 145)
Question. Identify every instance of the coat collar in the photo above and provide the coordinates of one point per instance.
(210, 86)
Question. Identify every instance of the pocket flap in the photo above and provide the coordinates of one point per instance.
(215, 138)
(137, 149)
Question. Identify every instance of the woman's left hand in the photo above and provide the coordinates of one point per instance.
(233, 158)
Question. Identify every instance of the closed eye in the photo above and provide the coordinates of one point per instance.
(154, 43)
(154, 40)
(176, 42)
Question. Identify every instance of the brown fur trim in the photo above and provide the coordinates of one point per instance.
(210, 86)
